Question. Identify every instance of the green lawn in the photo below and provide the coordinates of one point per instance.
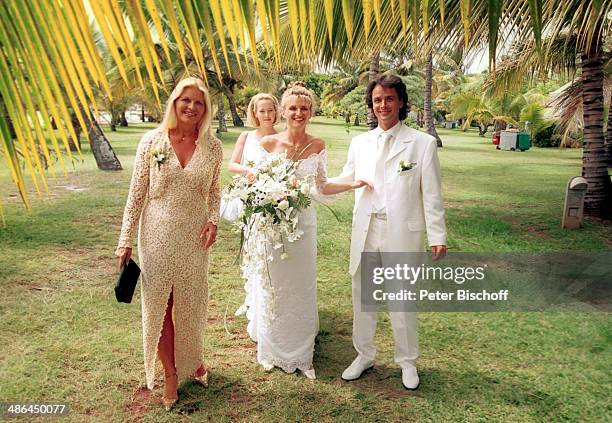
(64, 338)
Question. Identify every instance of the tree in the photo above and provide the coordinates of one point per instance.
(579, 106)
(353, 105)
(428, 116)
(372, 75)
(221, 114)
(101, 147)
(313, 33)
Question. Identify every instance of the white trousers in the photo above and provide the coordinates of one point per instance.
(404, 324)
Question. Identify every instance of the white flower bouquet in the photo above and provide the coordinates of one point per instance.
(271, 200)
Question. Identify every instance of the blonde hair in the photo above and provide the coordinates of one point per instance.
(252, 120)
(297, 89)
(170, 121)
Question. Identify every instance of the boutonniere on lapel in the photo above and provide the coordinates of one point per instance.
(404, 166)
(160, 156)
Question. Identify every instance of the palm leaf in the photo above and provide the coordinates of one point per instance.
(348, 12)
(465, 7)
(376, 6)
(494, 12)
(329, 18)
(367, 17)
(535, 8)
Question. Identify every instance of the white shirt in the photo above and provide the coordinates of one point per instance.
(383, 149)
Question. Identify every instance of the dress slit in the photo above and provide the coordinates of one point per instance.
(151, 367)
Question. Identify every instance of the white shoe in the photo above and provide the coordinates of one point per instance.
(357, 367)
(310, 374)
(410, 378)
(241, 310)
(266, 366)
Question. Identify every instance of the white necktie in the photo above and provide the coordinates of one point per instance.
(378, 200)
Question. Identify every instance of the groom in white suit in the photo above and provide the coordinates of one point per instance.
(393, 216)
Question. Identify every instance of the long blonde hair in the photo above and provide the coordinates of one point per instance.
(252, 120)
(170, 121)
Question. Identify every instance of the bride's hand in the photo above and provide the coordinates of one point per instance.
(362, 183)
(251, 177)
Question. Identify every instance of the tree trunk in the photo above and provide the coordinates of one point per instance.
(122, 119)
(100, 147)
(500, 125)
(234, 111)
(356, 123)
(372, 75)
(482, 129)
(594, 160)
(221, 114)
(609, 135)
(429, 121)
(72, 144)
(142, 114)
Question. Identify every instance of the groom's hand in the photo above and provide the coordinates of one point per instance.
(438, 252)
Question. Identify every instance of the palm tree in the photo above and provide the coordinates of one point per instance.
(221, 114)
(609, 133)
(372, 75)
(428, 115)
(470, 102)
(314, 32)
(579, 106)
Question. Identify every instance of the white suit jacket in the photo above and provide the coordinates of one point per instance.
(413, 197)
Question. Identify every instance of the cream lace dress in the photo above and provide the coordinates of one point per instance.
(172, 205)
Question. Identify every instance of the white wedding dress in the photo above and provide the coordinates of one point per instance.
(285, 319)
(251, 152)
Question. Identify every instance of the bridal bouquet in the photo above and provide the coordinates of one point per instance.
(271, 200)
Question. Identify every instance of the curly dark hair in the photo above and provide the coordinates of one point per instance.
(390, 81)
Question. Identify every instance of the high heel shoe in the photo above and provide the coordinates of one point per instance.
(202, 380)
(170, 402)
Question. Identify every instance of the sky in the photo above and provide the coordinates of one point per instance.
(478, 61)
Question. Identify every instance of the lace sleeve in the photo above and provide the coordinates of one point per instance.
(321, 181)
(321, 174)
(139, 188)
(214, 193)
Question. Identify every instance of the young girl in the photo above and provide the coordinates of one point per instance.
(262, 114)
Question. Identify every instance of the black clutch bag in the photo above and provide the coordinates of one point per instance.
(126, 282)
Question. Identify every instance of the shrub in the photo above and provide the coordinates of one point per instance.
(546, 137)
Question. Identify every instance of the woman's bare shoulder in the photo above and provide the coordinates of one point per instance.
(242, 137)
(316, 144)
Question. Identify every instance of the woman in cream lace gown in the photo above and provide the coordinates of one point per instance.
(174, 194)
(286, 291)
(262, 114)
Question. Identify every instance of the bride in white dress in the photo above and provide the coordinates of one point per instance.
(286, 336)
(262, 114)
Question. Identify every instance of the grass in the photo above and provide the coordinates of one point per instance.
(64, 338)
